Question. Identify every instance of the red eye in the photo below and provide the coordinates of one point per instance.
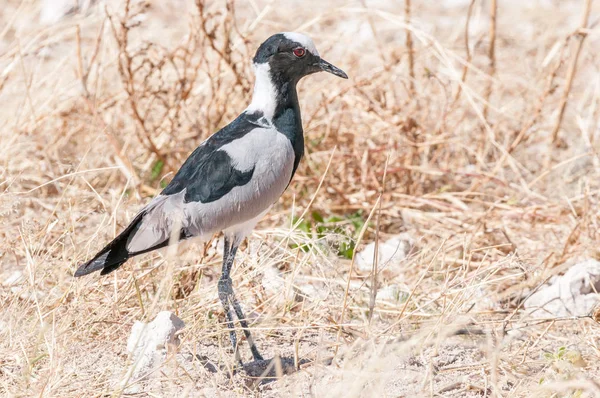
(299, 52)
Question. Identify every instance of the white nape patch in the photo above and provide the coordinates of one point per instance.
(304, 40)
(264, 98)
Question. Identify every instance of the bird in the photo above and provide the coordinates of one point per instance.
(231, 180)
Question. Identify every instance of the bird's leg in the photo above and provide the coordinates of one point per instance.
(244, 323)
(225, 290)
(231, 249)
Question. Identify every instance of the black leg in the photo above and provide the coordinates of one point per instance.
(228, 299)
(225, 289)
(225, 302)
(242, 318)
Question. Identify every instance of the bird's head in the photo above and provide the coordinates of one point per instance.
(291, 56)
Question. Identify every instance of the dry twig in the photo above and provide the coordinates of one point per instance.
(581, 34)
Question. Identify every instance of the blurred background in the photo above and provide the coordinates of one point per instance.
(439, 238)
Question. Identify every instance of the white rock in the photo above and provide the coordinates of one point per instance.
(148, 344)
(272, 280)
(391, 252)
(16, 281)
(55, 10)
(27, 293)
(572, 294)
(275, 285)
(483, 300)
(313, 293)
(393, 293)
(13, 278)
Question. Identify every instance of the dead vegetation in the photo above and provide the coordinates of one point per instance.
(469, 125)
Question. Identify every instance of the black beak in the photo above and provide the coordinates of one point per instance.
(327, 67)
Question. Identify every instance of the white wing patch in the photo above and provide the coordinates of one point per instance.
(304, 40)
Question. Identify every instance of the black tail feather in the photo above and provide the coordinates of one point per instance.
(116, 254)
(108, 259)
(113, 255)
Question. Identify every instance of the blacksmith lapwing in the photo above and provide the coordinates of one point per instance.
(232, 179)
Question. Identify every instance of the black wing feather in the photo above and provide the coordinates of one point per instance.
(113, 255)
(208, 173)
(207, 176)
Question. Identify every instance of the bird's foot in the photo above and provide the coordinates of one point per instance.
(267, 370)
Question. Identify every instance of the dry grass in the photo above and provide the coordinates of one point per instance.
(423, 141)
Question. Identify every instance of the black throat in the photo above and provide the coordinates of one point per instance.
(287, 97)
(287, 118)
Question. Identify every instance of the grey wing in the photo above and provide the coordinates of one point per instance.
(155, 228)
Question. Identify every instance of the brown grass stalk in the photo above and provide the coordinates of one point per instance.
(409, 48)
(121, 35)
(550, 87)
(581, 34)
(491, 55)
(468, 57)
(375, 269)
